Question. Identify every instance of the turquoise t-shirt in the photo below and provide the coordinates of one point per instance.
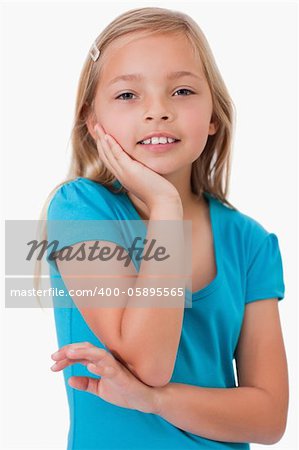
(249, 268)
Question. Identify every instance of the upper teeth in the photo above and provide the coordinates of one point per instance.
(158, 140)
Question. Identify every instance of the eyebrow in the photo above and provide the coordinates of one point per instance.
(169, 76)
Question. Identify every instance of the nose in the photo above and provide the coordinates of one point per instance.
(158, 110)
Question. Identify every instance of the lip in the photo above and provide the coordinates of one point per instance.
(159, 148)
(158, 134)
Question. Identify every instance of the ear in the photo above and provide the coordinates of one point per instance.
(90, 123)
(213, 127)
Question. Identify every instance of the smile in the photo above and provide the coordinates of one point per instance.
(160, 148)
(158, 140)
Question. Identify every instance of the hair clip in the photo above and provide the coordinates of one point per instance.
(94, 52)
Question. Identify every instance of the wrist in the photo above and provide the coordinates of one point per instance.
(168, 208)
(159, 395)
(165, 201)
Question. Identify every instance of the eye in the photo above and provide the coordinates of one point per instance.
(122, 95)
(184, 89)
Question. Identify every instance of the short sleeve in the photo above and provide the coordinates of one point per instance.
(81, 211)
(81, 199)
(264, 278)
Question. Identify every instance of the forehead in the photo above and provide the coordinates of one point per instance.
(141, 38)
(151, 52)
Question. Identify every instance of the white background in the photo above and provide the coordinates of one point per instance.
(44, 45)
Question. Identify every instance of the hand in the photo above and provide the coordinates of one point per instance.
(143, 182)
(117, 384)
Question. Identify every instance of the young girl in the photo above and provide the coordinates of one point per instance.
(152, 141)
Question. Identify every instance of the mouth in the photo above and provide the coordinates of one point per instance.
(159, 148)
(158, 141)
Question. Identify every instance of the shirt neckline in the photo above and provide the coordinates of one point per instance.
(208, 289)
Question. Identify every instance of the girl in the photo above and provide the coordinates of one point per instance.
(152, 141)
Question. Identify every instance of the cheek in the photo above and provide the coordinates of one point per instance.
(198, 131)
(196, 123)
(117, 123)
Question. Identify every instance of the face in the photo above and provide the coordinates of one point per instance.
(155, 101)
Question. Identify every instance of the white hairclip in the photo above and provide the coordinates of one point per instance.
(94, 52)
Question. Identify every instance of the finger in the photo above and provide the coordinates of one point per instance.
(96, 367)
(103, 149)
(125, 164)
(92, 354)
(117, 151)
(111, 369)
(109, 143)
(61, 352)
(98, 360)
(106, 156)
(113, 151)
(103, 371)
(99, 130)
(85, 384)
(60, 365)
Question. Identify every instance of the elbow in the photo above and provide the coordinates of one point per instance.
(145, 372)
(275, 434)
(273, 431)
(154, 377)
(156, 381)
(272, 437)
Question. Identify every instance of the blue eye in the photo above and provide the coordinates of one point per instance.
(125, 93)
(184, 89)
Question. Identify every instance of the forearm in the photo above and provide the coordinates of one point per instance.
(241, 414)
(151, 325)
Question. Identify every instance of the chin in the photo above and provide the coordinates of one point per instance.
(161, 169)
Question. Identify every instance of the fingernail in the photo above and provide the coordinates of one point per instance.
(55, 354)
(54, 366)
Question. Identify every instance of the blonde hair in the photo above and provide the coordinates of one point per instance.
(211, 171)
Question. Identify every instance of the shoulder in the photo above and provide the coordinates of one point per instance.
(81, 198)
(242, 230)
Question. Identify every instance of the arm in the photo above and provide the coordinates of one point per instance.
(256, 411)
(157, 329)
(131, 332)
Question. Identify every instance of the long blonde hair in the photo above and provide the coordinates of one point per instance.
(211, 171)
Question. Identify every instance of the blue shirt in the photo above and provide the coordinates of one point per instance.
(249, 268)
